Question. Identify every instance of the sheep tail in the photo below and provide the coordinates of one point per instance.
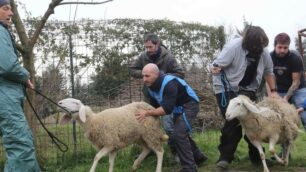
(164, 137)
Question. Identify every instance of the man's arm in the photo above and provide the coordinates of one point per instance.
(142, 114)
(136, 68)
(296, 76)
(169, 99)
(10, 68)
(271, 86)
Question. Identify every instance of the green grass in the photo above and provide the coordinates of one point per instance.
(241, 163)
(81, 161)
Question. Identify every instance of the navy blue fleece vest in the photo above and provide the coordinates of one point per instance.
(158, 96)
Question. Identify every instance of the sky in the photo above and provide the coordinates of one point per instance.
(274, 16)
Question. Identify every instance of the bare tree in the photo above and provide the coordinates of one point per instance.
(27, 43)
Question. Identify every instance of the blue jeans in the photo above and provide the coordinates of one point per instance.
(298, 99)
(168, 125)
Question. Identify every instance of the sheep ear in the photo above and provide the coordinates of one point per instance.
(65, 119)
(82, 113)
(251, 107)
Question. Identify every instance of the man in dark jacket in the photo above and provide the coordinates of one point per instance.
(158, 54)
(172, 94)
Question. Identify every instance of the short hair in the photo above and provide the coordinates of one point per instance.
(151, 37)
(282, 38)
(4, 2)
(254, 35)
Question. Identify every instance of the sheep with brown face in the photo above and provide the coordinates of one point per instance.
(272, 121)
(116, 128)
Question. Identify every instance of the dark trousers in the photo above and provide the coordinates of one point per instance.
(186, 148)
(231, 133)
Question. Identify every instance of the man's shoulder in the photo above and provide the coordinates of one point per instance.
(295, 54)
(233, 46)
(4, 36)
(142, 56)
(266, 53)
(165, 53)
(235, 42)
(3, 30)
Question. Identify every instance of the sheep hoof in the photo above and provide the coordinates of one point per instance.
(134, 168)
(272, 152)
(165, 138)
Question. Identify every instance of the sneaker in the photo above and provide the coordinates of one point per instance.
(223, 164)
(176, 159)
(199, 160)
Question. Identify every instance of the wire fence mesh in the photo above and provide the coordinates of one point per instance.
(54, 78)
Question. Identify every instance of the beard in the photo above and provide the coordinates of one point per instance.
(154, 55)
(151, 53)
(281, 54)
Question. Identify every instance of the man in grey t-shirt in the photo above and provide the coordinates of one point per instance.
(243, 62)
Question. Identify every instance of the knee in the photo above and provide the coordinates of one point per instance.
(177, 136)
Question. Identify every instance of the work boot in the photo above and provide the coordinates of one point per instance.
(200, 159)
(222, 164)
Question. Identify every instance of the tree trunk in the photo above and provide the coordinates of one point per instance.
(28, 61)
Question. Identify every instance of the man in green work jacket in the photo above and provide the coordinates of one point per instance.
(15, 131)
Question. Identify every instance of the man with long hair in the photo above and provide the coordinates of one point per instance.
(239, 69)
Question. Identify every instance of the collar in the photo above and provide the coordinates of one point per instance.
(4, 25)
(156, 56)
(158, 82)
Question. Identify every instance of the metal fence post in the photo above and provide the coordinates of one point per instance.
(72, 89)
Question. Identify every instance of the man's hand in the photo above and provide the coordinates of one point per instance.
(215, 70)
(285, 98)
(274, 94)
(300, 110)
(29, 84)
(141, 115)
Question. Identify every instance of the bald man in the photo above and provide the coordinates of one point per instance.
(170, 94)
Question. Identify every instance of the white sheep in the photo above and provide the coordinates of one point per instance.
(116, 128)
(272, 121)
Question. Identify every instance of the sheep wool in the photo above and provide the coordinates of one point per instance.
(122, 126)
(116, 128)
(272, 120)
(290, 117)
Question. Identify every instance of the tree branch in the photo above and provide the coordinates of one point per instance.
(50, 11)
(85, 3)
(19, 28)
(43, 21)
(301, 32)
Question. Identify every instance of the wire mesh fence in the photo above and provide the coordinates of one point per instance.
(59, 77)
